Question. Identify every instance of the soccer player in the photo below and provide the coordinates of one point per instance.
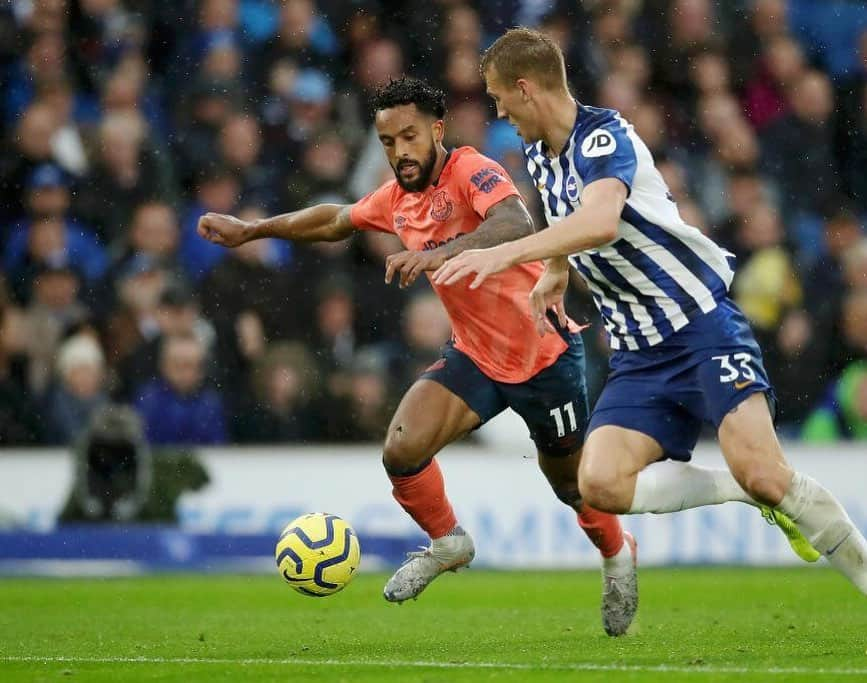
(439, 204)
(682, 352)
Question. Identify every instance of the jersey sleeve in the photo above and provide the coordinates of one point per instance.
(485, 183)
(606, 152)
(373, 211)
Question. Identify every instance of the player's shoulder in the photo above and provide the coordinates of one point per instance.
(466, 158)
(471, 166)
(388, 192)
(590, 118)
(599, 131)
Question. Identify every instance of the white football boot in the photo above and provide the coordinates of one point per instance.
(448, 553)
(620, 588)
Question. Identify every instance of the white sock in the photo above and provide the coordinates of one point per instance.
(619, 564)
(670, 486)
(827, 526)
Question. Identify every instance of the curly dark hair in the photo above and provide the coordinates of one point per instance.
(408, 90)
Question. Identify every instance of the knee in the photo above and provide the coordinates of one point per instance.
(403, 454)
(600, 487)
(764, 482)
(569, 495)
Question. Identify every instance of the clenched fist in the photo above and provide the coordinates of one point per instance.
(227, 231)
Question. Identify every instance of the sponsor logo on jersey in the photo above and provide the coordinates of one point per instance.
(486, 179)
(572, 188)
(399, 222)
(433, 244)
(599, 143)
(441, 206)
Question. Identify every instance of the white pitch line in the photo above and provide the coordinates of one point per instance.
(576, 666)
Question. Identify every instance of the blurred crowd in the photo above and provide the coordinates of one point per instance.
(125, 121)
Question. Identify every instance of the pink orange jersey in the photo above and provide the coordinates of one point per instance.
(491, 324)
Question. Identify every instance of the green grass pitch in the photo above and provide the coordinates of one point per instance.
(697, 625)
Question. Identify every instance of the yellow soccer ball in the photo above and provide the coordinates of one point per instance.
(318, 554)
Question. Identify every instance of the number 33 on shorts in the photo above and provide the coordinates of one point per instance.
(736, 368)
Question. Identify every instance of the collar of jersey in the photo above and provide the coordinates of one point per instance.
(583, 115)
(443, 169)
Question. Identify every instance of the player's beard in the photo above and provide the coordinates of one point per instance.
(425, 171)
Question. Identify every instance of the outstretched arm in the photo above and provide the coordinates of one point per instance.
(592, 225)
(320, 223)
(505, 221)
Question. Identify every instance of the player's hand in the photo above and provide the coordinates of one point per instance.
(411, 264)
(227, 231)
(548, 295)
(482, 262)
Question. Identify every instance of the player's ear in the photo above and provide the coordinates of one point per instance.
(438, 129)
(525, 87)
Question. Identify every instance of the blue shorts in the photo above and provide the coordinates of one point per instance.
(552, 403)
(697, 375)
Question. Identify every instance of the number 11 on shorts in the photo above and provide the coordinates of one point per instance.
(557, 414)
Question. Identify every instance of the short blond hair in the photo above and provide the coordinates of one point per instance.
(525, 53)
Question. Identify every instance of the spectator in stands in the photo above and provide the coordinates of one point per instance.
(334, 337)
(843, 413)
(467, 125)
(216, 19)
(177, 314)
(648, 119)
(807, 181)
(426, 329)
(299, 105)
(240, 146)
(177, 408)
(54, 310)
(201, 113)
(765, 22)
(218, 190)
(379, 308)
(766, 283)
(31, 145)
(322, 172)
(251, 279)
(853, 324)
(690, 27)
(745, 189)
(374, 64)
(154, 232)
(222, 58)
(128, 171)
(51, 240)
(20, 418)
(855, 151)
(842, 234)
(101, 29)
(133, 322)
(463, 79)
(79, 389)
(735, 148)
(126, 89)
(303, 37)
(43, 63)
(765, 94)
(363, 409)
(73, 114)
(283, 386)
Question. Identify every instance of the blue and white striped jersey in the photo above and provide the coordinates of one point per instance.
(659, 273)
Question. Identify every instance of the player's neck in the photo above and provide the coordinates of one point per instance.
(559, 112)
(442, 158)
